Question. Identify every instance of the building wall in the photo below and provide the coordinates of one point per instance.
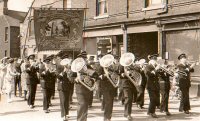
(117, 10)
(4, 46)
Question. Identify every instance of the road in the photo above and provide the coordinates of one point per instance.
(18, 110)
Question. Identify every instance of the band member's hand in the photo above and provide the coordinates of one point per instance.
(153, 72)
(123, 74)
(187, 69)
(176, 75)
(193, 65)
(158, 67)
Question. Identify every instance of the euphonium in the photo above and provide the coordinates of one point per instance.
(106, 61)
(84, 77)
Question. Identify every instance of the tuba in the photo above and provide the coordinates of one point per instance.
(126, 60)
(84, 74)
(106, 61)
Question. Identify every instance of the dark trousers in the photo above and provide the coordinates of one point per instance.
(17, 83)
(154, 100)
(90, 98)
(184, 102)
(164, 100)
(128, 96)
(140, 96)
(46, 98)
(64, 102)
(71, 92)
(108, 98)
(32, 92)
(82, 109)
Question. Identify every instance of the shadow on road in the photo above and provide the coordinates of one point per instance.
(17, 112)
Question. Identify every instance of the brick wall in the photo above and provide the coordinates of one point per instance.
(3, 45)
(120, 6)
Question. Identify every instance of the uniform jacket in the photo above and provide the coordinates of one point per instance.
(164, 80)
(152, 79)
(33, 78)
(184, 81)
(48, 80)
(65, 80)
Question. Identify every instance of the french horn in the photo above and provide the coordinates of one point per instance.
(84, 74)
(106, 61)
(126, 60)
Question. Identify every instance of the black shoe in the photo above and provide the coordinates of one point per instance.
(187, 112)
(168, 113)
(140, 107)
(129, 117)
(180, 110)
(46, 111)
(107, 120)
(32, 106)
(153, 115)
(90, 106)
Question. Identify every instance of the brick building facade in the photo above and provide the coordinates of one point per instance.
(9, 31)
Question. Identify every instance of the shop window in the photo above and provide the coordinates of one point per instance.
(102, 7)
(6, 34)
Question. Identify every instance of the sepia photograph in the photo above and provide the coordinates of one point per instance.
(99, 60)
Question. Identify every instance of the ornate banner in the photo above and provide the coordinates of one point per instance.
(58, 29)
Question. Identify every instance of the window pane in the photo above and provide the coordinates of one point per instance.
(156, 1)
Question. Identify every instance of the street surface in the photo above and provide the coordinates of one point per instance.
(18, 110)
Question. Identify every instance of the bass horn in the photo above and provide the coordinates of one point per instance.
(84, 74)
(106, 61)
(126, 60)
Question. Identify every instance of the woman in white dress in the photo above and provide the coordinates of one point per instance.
(9, 79)
(3, 66)
(25, 76)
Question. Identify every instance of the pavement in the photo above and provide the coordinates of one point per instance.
(18, 110)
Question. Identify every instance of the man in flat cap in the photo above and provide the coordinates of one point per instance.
(151, 72)
(184, 82)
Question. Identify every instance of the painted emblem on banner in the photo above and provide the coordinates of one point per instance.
(58, 29)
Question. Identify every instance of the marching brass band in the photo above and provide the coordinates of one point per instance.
(133, 76)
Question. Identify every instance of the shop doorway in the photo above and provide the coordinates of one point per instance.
(143, 44)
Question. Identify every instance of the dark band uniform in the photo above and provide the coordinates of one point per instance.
(64, 84)
(47, 84)
(142, 86)
(108, 92)
(32, 83)
(152, 87)
(184, 84)
(164, 80)
(128, 92)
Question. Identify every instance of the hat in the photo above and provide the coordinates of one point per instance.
(109, 52)
(107, 60)
(49, 58)
(83, 54)
(32, 56)
(183, 55)
(62, 54)
(91, 58)
(153, 57)
(127, 59)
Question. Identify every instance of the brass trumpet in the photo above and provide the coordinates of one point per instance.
(171, 73)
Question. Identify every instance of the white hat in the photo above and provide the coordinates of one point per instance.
(127, 59)
(107, 60)
(78, 64)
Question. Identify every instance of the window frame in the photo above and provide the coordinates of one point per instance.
(6, 38)
(147, 6)
(98, 11)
